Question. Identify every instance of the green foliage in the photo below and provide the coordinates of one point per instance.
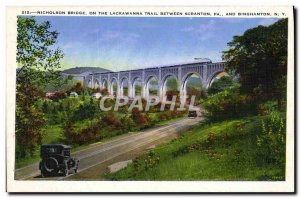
(141, 119)
(104, 92)
(259, 57)
(111, 120)
(221, 84)
(38, 61)
(128, 123)
(58, 96)
(199, 93)
(110, 124)
(271, 142)
(146, 162)
(37, 58)
(267, 107)
(87, 110)
(58, 112)
(69, 132)
(29, 121)
(78, 88)
(171, 93)
(89, 134)
(223, 151)
(172, 83)
(165, 115)
(228, 104)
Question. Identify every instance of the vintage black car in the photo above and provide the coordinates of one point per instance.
(56, 159)
(192, 114)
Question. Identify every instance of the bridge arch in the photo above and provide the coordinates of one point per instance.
(96, 84)
(124, 82)
(90, 83)
(163, 86)
(104, 83)
(212, 77)
(137, 81)
(113, 87)
(184, 83)
(188, 75)
(149, 87)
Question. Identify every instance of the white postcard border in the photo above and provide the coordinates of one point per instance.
(136, 186)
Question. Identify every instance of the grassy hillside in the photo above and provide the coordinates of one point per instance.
(220, 151)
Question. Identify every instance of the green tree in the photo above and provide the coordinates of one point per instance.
(87, 110)
(259, 57)
(38, 61)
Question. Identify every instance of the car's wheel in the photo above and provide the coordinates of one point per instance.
(77, 166)
(50, 165)
(65, 172)
(44, 172)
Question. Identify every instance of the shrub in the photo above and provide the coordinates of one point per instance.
(146, 162)
(78, 88)
(199, 93)
(171, 93)
(58, 96)
(111, 120)
(127, 123)
(96, 90)
(271, 141)
(29, 123)
(229, 104)
(89, 134)
(266, 107)
(109, 102)
(104, 91)
(69, 133)
(123, 109)
(165, 115)
(86, 110)
(140, 118)
(176, 113)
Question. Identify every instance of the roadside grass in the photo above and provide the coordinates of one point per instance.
(218, 151)
(53, 134)
(161, 123)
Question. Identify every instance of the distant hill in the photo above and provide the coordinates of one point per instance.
(80, 70)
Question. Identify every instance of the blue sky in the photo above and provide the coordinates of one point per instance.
(122, 43)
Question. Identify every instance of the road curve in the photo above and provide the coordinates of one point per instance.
(97, 154)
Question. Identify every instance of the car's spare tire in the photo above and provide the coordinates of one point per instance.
(50, 165)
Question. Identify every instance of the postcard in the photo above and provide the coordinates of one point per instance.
(150, 99)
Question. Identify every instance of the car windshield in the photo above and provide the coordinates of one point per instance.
(51, 150)
(45, 151)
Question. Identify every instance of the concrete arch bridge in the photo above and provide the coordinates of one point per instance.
(206, 71)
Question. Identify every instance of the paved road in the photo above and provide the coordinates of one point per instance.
(103, 152)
